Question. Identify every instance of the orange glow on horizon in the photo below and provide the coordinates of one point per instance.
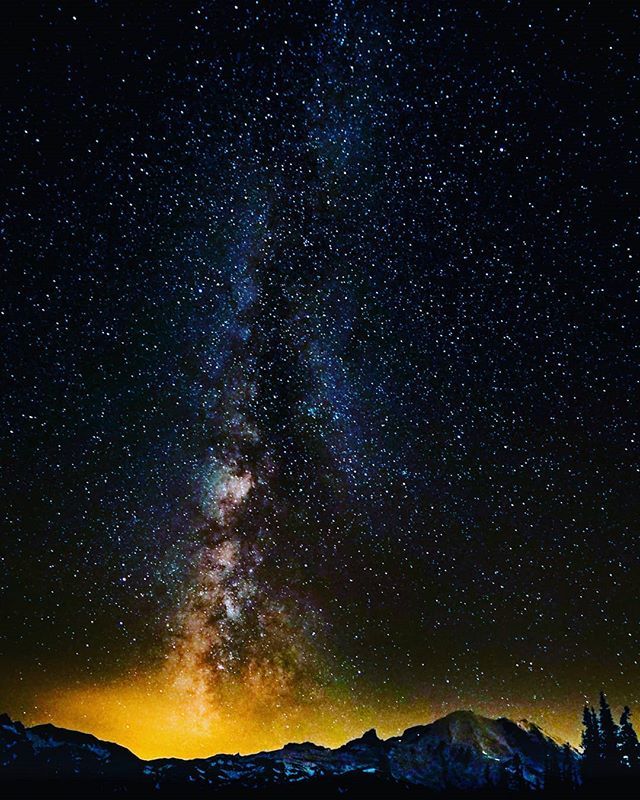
(154, 718)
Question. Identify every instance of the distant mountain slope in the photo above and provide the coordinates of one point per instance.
(462, 751)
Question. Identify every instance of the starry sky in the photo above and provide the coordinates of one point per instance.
(319, 366)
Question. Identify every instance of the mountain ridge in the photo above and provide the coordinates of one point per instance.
(461, 751)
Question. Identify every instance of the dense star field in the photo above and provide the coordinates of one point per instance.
(319, 365)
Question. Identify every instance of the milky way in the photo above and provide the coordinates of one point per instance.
(319, 364)
(237, 626)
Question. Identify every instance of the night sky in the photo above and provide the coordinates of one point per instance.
(319, 367)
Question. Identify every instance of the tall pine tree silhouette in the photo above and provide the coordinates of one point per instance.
(609, 756)
(628, 743)
(590, 763)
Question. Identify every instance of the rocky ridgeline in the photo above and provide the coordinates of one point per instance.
(462, 751)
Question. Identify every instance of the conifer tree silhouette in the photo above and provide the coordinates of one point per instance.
(590, 762)
(609, 755)
(628, 745)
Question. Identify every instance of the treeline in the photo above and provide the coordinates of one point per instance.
(610, 751)
(609, 764)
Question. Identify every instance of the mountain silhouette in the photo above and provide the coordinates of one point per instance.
(462, 751)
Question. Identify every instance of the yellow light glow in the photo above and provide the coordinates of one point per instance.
(156, 717)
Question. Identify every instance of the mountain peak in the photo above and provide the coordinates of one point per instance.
(368, 739)
(370, 736)
(463, 714)
(461, 751)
